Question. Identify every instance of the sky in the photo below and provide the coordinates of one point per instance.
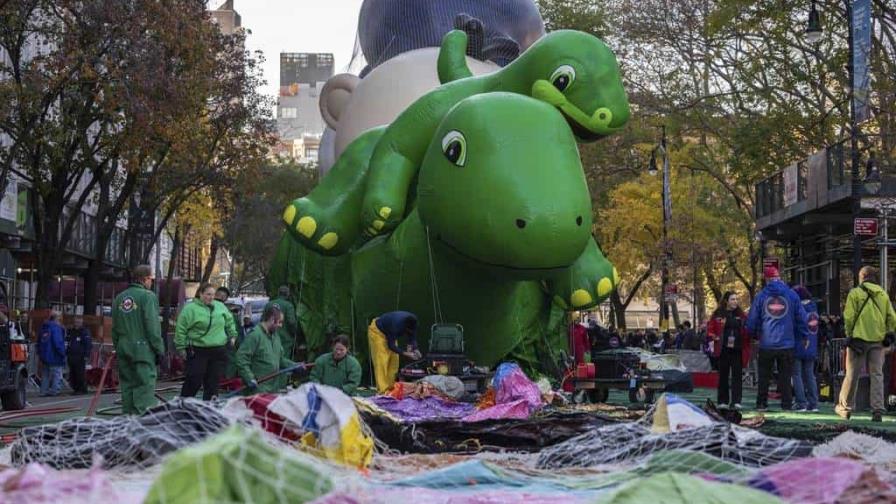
(326, 26)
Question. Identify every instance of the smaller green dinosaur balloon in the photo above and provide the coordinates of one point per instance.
(573, 71)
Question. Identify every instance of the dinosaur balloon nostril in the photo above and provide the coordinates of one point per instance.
(520, 223)
(579, 220)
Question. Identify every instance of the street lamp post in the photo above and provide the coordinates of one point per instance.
(667, 217)
(813, 34)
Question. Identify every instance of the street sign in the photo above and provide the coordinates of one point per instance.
(864, 227)
(773, 262)
(878, 203)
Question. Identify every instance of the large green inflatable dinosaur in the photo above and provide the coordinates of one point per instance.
(496, 237)
(572, 71)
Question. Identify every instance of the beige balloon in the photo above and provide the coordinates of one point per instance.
(351, 106)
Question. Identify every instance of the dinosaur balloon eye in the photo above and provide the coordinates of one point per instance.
(454, 146)
(563, 77)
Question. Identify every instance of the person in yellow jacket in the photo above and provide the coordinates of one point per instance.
(868, 317)
(382, 338)
(201, 336)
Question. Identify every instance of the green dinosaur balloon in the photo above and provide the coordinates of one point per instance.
(497, 237)
(572, 71)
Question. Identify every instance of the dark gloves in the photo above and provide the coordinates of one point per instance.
(889, 339)
(252, 384)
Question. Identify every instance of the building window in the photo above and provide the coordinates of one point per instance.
(288, 112)
(312, 155)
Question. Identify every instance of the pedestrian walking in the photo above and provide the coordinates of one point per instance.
(137, 338)
(51, 352)
(730, 347)
(805, 387)
(778, 319)
(201, 336)
(869, 320)
(78, 346)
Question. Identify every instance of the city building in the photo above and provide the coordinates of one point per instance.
(810, 215)
(227, 19)
(299, 122)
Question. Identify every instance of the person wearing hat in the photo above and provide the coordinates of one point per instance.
(777, 318)
(805, 388)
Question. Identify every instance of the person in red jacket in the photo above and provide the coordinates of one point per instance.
(731, 346)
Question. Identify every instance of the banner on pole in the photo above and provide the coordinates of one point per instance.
(861, 50)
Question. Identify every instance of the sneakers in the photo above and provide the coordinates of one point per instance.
(799, 409)
(877, 417)
(762, 408)
(814, 410)
(737, 406)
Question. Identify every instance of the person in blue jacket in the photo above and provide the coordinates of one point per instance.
(51, 352)
(805, 388)
(778, 319)
(383, 335)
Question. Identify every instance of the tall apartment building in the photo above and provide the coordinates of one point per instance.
(299, 123)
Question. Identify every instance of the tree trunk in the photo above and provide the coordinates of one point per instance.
(210, 262)
(676, 318)
(618, 311)
(91, 281)
(169, 276)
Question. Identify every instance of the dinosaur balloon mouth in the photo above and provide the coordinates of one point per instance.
(579, 130)
(495, 265)
(585, 126)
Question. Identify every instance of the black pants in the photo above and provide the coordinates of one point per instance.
(731, 377)
(767, 361)
(204, 368)
(76, 374)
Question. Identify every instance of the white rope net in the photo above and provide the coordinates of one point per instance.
(186, 451)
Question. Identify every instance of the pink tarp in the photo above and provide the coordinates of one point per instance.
(515, 396)
(37, 483)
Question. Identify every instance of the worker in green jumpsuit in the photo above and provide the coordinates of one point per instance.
(137, 337)
(289, 331)
(260, 354)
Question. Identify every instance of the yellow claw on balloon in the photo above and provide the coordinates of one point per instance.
(328, 240)
(385, 212)
(289, 215)
(604, 287)
(615, 277)
(306, 226)
(378, 224)
(580, 298)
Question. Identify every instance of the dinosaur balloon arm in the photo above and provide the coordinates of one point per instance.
(386, 193)
(327, 220)
(587, 282)
(452, 62)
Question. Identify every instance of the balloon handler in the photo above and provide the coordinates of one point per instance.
(260, 360)
(382, 338)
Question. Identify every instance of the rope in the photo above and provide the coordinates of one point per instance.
(436, 303)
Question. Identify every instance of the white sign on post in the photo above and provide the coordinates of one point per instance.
(10, 200)
(790, 185)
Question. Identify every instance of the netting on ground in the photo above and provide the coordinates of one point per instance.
(257, 449)
(121, 441)
(632, 443)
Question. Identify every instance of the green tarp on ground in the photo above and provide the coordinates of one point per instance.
(237, 465)
(675, 488)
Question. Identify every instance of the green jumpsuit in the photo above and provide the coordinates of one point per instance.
(288, 331)
(260, 354)
(136, 336)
